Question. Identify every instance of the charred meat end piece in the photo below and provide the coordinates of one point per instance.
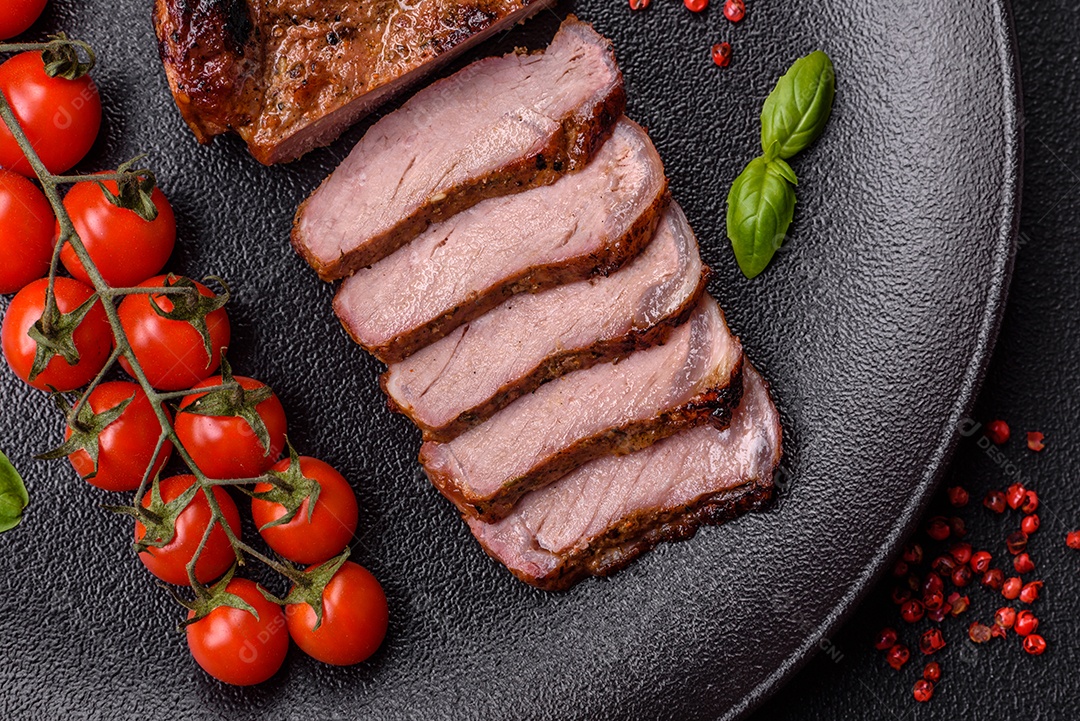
(587, 224)
(462, 379)
(603, 515)
(694, 378)
(290, 75)
(499, 126)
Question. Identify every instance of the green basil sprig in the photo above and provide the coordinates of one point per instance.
(13, 496)
(761, 202)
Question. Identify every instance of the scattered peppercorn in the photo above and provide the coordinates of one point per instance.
(956, 525)
(979, 632)
(994, 578)
(1005, 617)
(735, 10)
(1030, 524)
(962, 576)
(944, 565)
(933, 601)
(1012, 587)
(897, 656)
(961, 551)
(1035, 441)
(900, 569)
(1034, 644)
(933, 583)
(997, 631)
(900, 595)
(912, 611)
(1030, 592)
(931, 641)
(696, 6)
(1014, 495)
(1072, 539)
(938, 614)
(1016, 542)
(1025, 623)
(958, 496)
(957, 603)
(980, 561)
(997, 432)
(913, 553)
(1031, 502)
(932, 672)
(1023, 564)
(924, 690)
(995, 501)
(886, 638)
(938, 528)
(721, 54)
(639, 4)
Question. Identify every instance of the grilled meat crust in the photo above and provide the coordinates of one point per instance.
(290, 75)
(714, 405)
(643, 531)
(554, 366)
(530, 280)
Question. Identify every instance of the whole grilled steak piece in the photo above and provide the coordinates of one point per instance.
(498, 126)
(600, 517)
(610, 408)
(588, 223)
(291, 75)
(482, 366)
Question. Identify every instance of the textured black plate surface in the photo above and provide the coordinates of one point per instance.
(873, 325)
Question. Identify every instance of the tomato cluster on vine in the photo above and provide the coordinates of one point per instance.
(113, 233)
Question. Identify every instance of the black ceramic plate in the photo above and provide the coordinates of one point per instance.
(873, 324)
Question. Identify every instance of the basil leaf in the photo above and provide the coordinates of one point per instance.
(760, 207)
(797, 109)
(13, 497)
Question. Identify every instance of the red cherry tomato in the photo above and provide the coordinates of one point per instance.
(171, 352)
(93, 338)
(169, 563)
(26, 232)
(332, 525)
(355, 617)
(235, 646)
(125, 248)
(17, 16)
(226, 446)
(60, 117)
(125, 446)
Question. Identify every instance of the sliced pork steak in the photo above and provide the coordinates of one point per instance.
(291, 75)
(603, 515)
(498, 126)
(482, 366)
(588, 223)
(610, 408)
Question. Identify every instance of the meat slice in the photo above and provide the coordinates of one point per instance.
(610, 408)
(603, 515)
(498, 126)
(482, 366)
(588, 223)
(291, 75)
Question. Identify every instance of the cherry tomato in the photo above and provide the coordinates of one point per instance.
(26, 232)
(171, 352)
(355, 617)
(125, 446)
(93, 338)
(169, 562)
(235, 646)
(226, 446)
(332, 524)
(125, 248)
(18, 15)
(60, 117)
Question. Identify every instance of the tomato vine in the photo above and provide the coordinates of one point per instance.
(73, 59)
